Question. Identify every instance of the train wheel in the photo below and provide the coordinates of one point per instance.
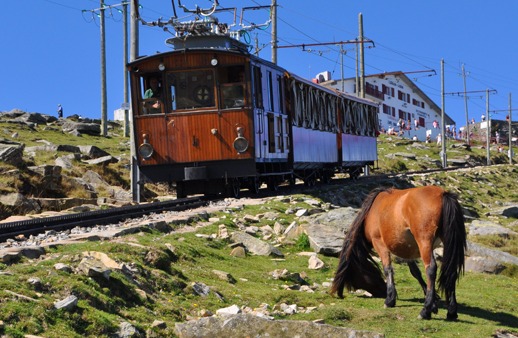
(255, 185)
(292, 181)
(273, 184)
(180, 190)
(326, 177)
(234, 188)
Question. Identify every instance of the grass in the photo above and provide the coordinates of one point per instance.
(161, 280)
(162, 289)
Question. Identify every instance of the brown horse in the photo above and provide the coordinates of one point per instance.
(409, 224)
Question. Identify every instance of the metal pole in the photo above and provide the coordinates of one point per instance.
(510, 132)
(488, 129)
(274, 31)
(134, 52)
(362, 60)
(125, 62)
(466, 105)
(443, 129)
(104, 109)
(342, 66)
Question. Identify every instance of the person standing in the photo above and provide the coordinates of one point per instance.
(60, 111)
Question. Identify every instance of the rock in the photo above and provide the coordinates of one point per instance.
(78, 128)
(483, 228)
(238, 251)
(92, 151)
(502, 257)
(224, 276)
(246, 325)
(483, 265)
(231, 310)
(67, 304)
(255, 246)
(315, 263)
(126, 330)
(102, 160)
(12, 154)
(93, 268)
(200, 289)
(62, 267)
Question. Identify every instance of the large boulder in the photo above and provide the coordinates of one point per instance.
(245, 325)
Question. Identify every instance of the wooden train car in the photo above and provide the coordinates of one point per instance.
(209, 117)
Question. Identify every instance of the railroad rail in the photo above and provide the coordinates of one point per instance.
(90, 218)
(100, 217)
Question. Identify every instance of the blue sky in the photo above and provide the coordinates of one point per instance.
(51, 52)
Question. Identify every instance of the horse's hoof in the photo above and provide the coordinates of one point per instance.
(425, 316)
(452, 316)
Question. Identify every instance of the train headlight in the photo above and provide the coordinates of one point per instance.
(241, 144)
(145, 150)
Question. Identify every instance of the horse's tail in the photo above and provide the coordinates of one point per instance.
(454, 242)
(356, 268)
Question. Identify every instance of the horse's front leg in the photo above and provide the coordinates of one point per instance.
(390, 301)
(430, 298)
(384, 254)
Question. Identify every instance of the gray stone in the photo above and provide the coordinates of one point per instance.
(483, 228)
(93, 268)
(483, 265)
(12, 153)
(500, 256)
(245, 325)
(92, 151)
(76, 128)
(126, 330)
(67, 304)
(255, 246)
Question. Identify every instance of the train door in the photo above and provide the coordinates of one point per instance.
(192, 121)
(271, 119)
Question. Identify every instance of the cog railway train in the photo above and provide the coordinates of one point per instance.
(209, 118)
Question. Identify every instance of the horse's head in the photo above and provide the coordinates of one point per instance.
(368, 278)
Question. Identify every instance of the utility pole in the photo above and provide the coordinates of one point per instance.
(342, 52)
(124, 63)
(134, 52)
(465, 104)
(362, 59)
(488, 129)
(274, 31)
(104, 104)
(510, 132)
(443, 129)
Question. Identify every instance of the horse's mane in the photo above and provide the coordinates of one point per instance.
(357, 269)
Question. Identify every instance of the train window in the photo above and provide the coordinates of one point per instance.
(270, 91)
(280, 140)
(232, 86)
(151, 102)
(191, 89)
(280, 98)
(271, 133)
(258, 86)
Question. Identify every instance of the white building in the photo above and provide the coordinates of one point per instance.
(398, 98)
(118, 115)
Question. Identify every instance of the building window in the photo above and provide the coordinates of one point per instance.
(403, 96)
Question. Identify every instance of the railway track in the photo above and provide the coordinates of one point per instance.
(91, 218)
(110, 216)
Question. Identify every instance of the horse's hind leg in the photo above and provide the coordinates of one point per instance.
(451, 302)
(416, 273)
